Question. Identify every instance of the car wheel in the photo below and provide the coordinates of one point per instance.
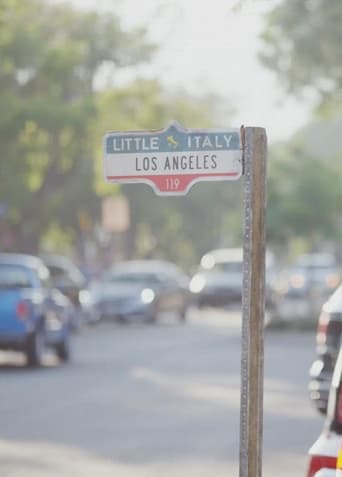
(63, 349)
(35, 348)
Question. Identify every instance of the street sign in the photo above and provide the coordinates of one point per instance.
(171, 160)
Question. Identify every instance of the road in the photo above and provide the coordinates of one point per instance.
(154, 401)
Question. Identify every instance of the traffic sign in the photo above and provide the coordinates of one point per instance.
(171, 160)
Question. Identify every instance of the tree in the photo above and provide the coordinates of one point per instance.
(178, 228)
(302, 44)
(304, 197)
(50, 57)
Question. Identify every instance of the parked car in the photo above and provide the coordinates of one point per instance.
(304, 287)
(32, 314)
(323, 454)
(68, 278)
(322, 270)
(218, 281)
(328, 342)
(141, 290)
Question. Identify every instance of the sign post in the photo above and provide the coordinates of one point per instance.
(253, 302)
(171, 160)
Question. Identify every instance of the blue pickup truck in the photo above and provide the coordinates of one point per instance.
(32, 314)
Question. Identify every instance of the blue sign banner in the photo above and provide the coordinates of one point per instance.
(172, 139)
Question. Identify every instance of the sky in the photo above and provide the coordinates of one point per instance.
(209, 47)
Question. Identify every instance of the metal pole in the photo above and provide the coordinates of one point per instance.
(253, 302)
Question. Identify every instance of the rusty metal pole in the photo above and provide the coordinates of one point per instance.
(253, 302)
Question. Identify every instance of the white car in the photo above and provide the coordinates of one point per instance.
(218, 281)
(325, 473)
(324, 452)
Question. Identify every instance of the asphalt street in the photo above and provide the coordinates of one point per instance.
(154, 400)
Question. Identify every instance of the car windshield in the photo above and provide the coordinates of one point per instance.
(14, 276)
(319, 268)
(72, 274)
(227, 267)
(314, 271)
(138, 277)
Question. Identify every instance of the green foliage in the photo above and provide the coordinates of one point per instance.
(305, 198)
(144, 104)
(302, 44)
(183, 228)
(179, 228)
(50, 56)
(53, 119)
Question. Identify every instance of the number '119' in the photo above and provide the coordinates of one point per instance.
(172, 184)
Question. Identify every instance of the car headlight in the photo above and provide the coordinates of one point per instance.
(297, 281)
(197, 283)
(332, 280)
(85, 298)
(147, 296)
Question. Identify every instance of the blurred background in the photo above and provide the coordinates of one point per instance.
(163, 400)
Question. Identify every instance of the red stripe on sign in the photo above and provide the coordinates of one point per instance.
(172, 182)
(318, 462)
(174, 176)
